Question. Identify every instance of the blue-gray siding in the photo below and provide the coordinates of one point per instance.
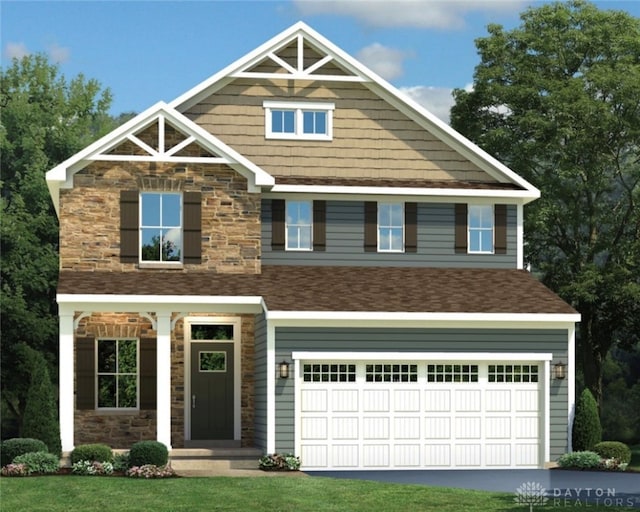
(260, 398)
(420, 340)
(345, 240)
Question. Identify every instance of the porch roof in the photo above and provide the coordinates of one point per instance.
(339, 289)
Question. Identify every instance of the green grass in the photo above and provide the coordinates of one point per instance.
(278, 493)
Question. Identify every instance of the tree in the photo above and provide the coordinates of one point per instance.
(40, 419)
(558, 100)
(44, 119)
(587, 431)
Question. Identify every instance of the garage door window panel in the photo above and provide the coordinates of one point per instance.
(452, 373)
(391, 373)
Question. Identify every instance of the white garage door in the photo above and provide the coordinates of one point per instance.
(415, 415)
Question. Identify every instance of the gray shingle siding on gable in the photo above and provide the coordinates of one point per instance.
(420, 340)
(345, 240)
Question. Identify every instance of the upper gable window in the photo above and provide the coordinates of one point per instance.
(390, 227)
(299, 225)
(298, 120)
(161, 227)
(481, 220)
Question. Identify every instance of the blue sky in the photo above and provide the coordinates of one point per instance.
(147, 51)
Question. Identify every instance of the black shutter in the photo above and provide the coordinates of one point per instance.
(148, 373)
(461, 228)
(370, 226)
(85, 373)
(129, 225)
(319, 225)
(192, 210)
(277, 224)
(500, 214)
(411, 227)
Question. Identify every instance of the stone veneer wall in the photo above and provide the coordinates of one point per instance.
(122, 429)
(118, 429)
(90, 215)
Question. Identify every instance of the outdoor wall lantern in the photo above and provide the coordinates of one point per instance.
(560, 370)
(283, 370)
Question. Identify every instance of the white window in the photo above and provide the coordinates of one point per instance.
(481, 228)
(117, 375)
(160, 227)
(390, 227)
(299, 225)
(297, 120)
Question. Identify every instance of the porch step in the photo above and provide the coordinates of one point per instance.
(214, 459)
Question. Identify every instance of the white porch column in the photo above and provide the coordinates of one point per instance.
(163, 372)
(66, 379)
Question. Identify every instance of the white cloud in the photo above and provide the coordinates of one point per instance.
(437, 100)
(58, 54)
(385, 61)
(15, 50)
(441, 14)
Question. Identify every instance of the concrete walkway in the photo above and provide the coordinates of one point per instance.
(562, 487)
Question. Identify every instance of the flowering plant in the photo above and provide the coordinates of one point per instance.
(151, 471)
(87, 467)
(279, 462)
(15, 470)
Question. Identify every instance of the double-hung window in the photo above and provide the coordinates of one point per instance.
(298, 120)
(390, 227)
(161, 227)
(117, 375)
(481, 220)
(299, 226)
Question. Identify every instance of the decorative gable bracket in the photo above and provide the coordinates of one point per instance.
(159, 134)
(301, 58)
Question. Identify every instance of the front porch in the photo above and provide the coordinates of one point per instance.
(166, 405)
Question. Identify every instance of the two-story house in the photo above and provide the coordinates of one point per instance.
(295, 256)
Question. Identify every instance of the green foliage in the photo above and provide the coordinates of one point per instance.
(279, 462)
(39, 462)
(613, 450)
(40, 419)
(580, 460)
(92, 452)
(587, 431)
(11, 448)
(44, 119)
(148, 452)
(620, 408)
(121, 462)
(557, 99)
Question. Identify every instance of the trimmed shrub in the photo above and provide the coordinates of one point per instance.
(92, 452)
(40, 419)
(11, 448)
(580, 460)
(587, 431)
(613, 450)
(39, 462)
(144, 453)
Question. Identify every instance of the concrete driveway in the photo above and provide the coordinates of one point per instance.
(562, 487)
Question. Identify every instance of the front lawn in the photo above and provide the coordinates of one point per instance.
(281, 493)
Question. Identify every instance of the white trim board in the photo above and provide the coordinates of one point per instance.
(420, 356)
